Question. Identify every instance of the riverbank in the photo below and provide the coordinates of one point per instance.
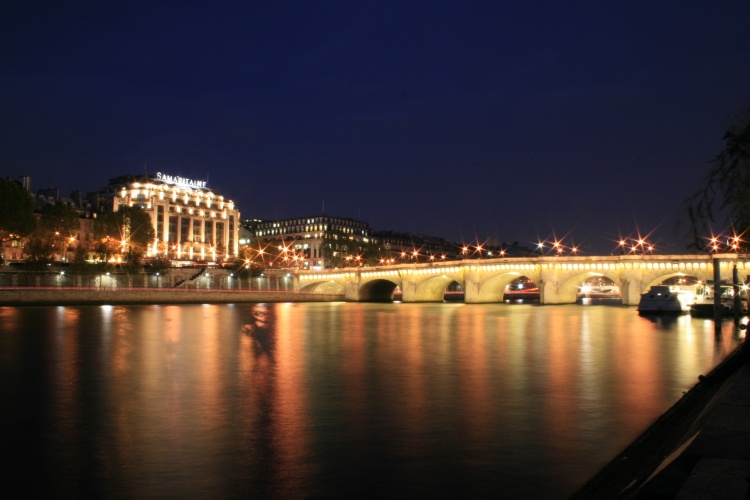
(57, 296)
(645, 469)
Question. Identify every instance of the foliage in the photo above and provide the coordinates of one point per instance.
(39, 247)
(258, 255)
(128, 231)
(78, 263)
(59, 219)
(57, 225)
(79, 255)
(105, 248)
(247, 269)
(92, 269)
(159, 265)
(727, 185)
(16, 210)
(132, 261)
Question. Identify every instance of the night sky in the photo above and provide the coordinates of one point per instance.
(460, 119)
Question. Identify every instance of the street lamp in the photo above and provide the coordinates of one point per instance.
(622, 244)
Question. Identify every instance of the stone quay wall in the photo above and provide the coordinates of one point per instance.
(56, 286)
(57, 296)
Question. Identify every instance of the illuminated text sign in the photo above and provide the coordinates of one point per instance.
(181, 181)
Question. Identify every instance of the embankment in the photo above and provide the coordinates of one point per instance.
(661, 443)
(16, 297)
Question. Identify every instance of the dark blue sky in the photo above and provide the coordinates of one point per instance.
(457, 119)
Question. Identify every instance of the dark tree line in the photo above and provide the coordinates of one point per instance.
(16, 211)
(56, 229)
(724, 197)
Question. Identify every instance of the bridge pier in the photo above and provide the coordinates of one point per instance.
(548, 292)
(472, 285)
(351, 291)
(631, 289)
(408, 289)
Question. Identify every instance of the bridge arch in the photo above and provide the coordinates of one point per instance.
(377, 290)
(654, 279)
(433, 288)
(493, 287)
(324, 287)
(567, 291)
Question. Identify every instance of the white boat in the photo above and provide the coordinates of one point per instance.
(602, 291)
(663, 299)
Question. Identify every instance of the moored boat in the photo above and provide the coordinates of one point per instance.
(703, 306)
(603, 291)
(663, 299)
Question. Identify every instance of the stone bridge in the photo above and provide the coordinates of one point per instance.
(558, 277)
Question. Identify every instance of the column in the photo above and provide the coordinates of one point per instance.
(225, 238)
(165, 225)
(179, 231)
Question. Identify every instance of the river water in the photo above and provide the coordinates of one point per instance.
(334, 400)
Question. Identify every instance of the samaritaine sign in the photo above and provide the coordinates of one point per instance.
(181, 181)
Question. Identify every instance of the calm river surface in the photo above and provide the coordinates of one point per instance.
(334, 399)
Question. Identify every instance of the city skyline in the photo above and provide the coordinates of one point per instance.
(462, 121)
(84, 201)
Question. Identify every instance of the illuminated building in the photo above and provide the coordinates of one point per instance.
(190, 220)
(320, 241)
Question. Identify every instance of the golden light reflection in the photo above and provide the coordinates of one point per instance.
(212, 411)
(291, 428)
(563, 371)
(474, 351)
(208, 392)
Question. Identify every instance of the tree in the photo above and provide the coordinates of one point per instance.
(59, 218)
(57, 225)
(39, 247)
(727, 186)
(16, 210)
(141, 231)
(129, 231)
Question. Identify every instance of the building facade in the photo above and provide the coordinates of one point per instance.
(316, 242)
(190, 220)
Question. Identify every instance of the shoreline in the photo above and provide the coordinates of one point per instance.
(662, 442)
(153, 296)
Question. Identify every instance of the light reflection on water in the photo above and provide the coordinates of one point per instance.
(321, 400)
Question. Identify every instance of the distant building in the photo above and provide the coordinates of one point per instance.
(319, 241)
(190, 220)
(12, 250)
(404, 247)
(324, 241)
